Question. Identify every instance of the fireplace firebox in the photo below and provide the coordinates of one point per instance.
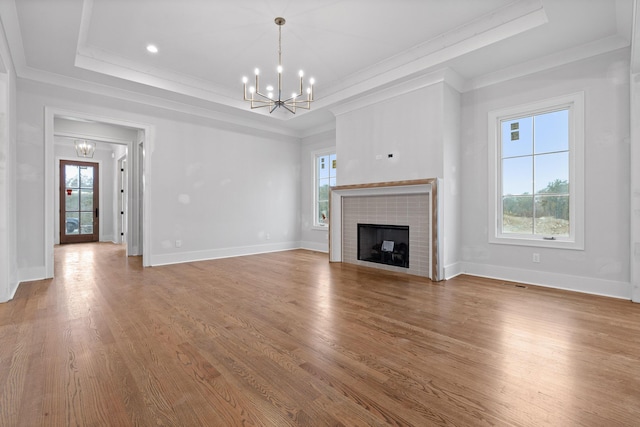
(384, 244)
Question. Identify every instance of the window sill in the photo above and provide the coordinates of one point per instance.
(538, 243)
(320, 227)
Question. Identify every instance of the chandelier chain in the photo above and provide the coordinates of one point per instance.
(280, 45)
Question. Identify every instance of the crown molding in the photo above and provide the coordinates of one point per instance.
(90, 137)
(409, 70)
(548, 62)
(445, 75)
(502, 24)
(635, 38)
(6, 62)
(246, 120)
(11, 46)
(101, 62)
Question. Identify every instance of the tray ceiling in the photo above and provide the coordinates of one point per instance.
(351, 47)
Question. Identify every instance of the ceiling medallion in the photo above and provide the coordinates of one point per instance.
(273, 100)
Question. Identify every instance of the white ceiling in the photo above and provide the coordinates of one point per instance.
(351, 47)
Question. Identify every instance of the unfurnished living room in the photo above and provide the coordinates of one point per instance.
(319, 212)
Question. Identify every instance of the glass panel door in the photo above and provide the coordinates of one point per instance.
(79, 211)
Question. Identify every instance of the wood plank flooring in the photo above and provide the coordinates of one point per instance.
(287, 339)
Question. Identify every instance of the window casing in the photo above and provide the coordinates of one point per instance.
(324, 179)
(536, 174)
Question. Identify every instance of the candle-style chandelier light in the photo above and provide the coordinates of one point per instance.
(273, 99)
(84, 148)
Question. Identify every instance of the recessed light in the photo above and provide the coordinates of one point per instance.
(152, 48)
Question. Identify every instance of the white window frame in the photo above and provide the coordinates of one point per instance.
(575, 240)
(314, 158)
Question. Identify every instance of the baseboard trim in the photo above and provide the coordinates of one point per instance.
(315, 246)
(177, 258)
(30, 274)
(587, 285)
(25, 275)
(11, 294)
(452, 270)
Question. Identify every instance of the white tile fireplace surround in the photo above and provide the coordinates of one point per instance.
(409, 203)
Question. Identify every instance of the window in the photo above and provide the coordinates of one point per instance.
(325, 177)
(537, 183)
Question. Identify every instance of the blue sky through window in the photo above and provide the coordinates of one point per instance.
(534, 152)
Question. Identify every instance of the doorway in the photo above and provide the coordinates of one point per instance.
(120, 135)
(79, 202)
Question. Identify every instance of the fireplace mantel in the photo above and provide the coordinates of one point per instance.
(422, 186)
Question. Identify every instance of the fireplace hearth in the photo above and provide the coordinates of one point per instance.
(384, 244)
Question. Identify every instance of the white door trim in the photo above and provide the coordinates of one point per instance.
(49, 177)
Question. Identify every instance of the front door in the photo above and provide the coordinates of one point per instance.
(79, 210)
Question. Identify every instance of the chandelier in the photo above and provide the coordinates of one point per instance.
(85, 148)
(273, 100)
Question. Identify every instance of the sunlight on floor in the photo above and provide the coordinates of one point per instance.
(540, 359)
(75, 266)
(325, 320)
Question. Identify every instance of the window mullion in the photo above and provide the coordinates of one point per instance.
(533, 176)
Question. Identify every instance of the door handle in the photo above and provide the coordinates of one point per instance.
(97, 213)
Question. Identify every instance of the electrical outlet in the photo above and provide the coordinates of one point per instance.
(536, 257)
(178, 243)
(268, 236)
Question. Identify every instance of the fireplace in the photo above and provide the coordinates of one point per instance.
(384, 244)
(407, 210)
(413, 204)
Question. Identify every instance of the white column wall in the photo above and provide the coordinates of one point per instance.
(635, 187)
(8, 237)
(449, 187)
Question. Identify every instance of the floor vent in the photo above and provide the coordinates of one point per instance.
(515, 285)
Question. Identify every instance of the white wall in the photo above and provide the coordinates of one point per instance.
(220, 189)
(313, 238)
(603, 266)
(635, 188)
(8, 237)
(451, 182)
(30, 187)
(409, 126)
(222, 193)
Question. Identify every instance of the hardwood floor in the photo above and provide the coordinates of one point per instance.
(289, 339)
